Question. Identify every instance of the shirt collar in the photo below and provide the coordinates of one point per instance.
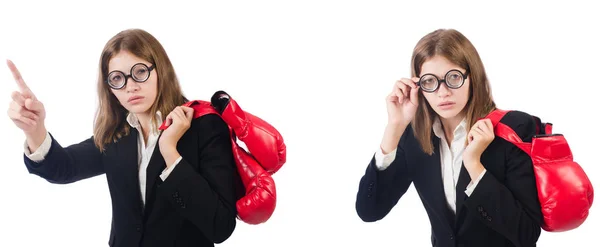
(133, 121)
(439, 131)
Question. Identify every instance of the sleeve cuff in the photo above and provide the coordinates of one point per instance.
(473, 184)
(168, 171)
(41, 152)
(382, 161)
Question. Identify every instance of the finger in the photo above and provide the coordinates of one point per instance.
(488, 128)
(478, 133)
(485, 128)
(189, 112)
(18, 78)
(178, 114)
(403, 88)
(398, 96)
(474, 136)
(409, 82)
(20, 117)
(18, 98)
(21, 110)
(15, 106)
(476, 124)
(168, 120)
(479, 127)
(470, 137)
(414, 96)
(26, 123)
(34, 105)
(392, 96)
(489, 125)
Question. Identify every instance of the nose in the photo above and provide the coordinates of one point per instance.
(443, 91)
(131, 85)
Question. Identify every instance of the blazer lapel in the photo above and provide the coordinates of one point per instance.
(435, 180)
(155, 167)
(463, 180)
(127, 150)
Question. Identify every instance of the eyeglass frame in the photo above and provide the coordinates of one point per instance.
(150, 68)
(440, 81)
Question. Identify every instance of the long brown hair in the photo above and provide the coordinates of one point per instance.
(110, 124)
(455, 47)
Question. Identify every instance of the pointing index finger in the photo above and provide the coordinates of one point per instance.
(19, 79)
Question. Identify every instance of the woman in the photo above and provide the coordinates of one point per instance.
(477, 190)
(174, 187)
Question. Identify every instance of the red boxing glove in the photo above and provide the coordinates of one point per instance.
(263, 141)
(259, 202)
(267, 155)
(565, 192)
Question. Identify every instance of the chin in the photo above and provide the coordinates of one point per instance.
(138, 109)
(447, 114)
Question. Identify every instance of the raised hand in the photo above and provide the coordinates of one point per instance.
(402, 102)
(25, 110)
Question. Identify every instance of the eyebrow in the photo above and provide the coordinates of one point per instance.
(459, 69)
(130, 67)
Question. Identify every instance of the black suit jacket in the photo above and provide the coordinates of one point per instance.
(194, 206)
(503, 210)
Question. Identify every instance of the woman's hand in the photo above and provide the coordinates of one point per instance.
(402, 102)
(401, 106)
(26, 112)
(177, 122)
(479, 138)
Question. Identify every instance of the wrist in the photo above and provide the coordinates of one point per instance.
(471, 160)
(474, 168)
(36, 137)
(396, 125)
(391, 137)
(169, 155)
(167, 149)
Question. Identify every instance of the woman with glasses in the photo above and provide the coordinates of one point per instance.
(172, 187)
(476, 189)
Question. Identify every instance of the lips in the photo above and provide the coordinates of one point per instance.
(446, 103)
(132, 98)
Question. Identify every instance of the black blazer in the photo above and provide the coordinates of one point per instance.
(503, 210)
(194, 206)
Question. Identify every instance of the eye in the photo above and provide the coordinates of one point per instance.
(429, 81)
(116, 78)
(141, 71)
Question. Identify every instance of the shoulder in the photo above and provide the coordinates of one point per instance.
(522, 123)
(209, 123)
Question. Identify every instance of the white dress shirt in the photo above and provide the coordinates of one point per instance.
(144, 151)
(451, 161)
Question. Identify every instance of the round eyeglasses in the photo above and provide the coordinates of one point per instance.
(454, 79)
(139, 73)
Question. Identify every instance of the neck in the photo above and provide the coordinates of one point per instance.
(145, 122)
(449, 125)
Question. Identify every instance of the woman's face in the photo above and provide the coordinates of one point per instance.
(136, 97)
(448, 103)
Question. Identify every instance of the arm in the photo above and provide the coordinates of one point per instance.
(511, 208)
(386, 180)
(206, 198)
(64, 165)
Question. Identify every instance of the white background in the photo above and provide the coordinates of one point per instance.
(318, 71)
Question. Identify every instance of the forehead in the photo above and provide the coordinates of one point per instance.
(124, 60)
(438, 66)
